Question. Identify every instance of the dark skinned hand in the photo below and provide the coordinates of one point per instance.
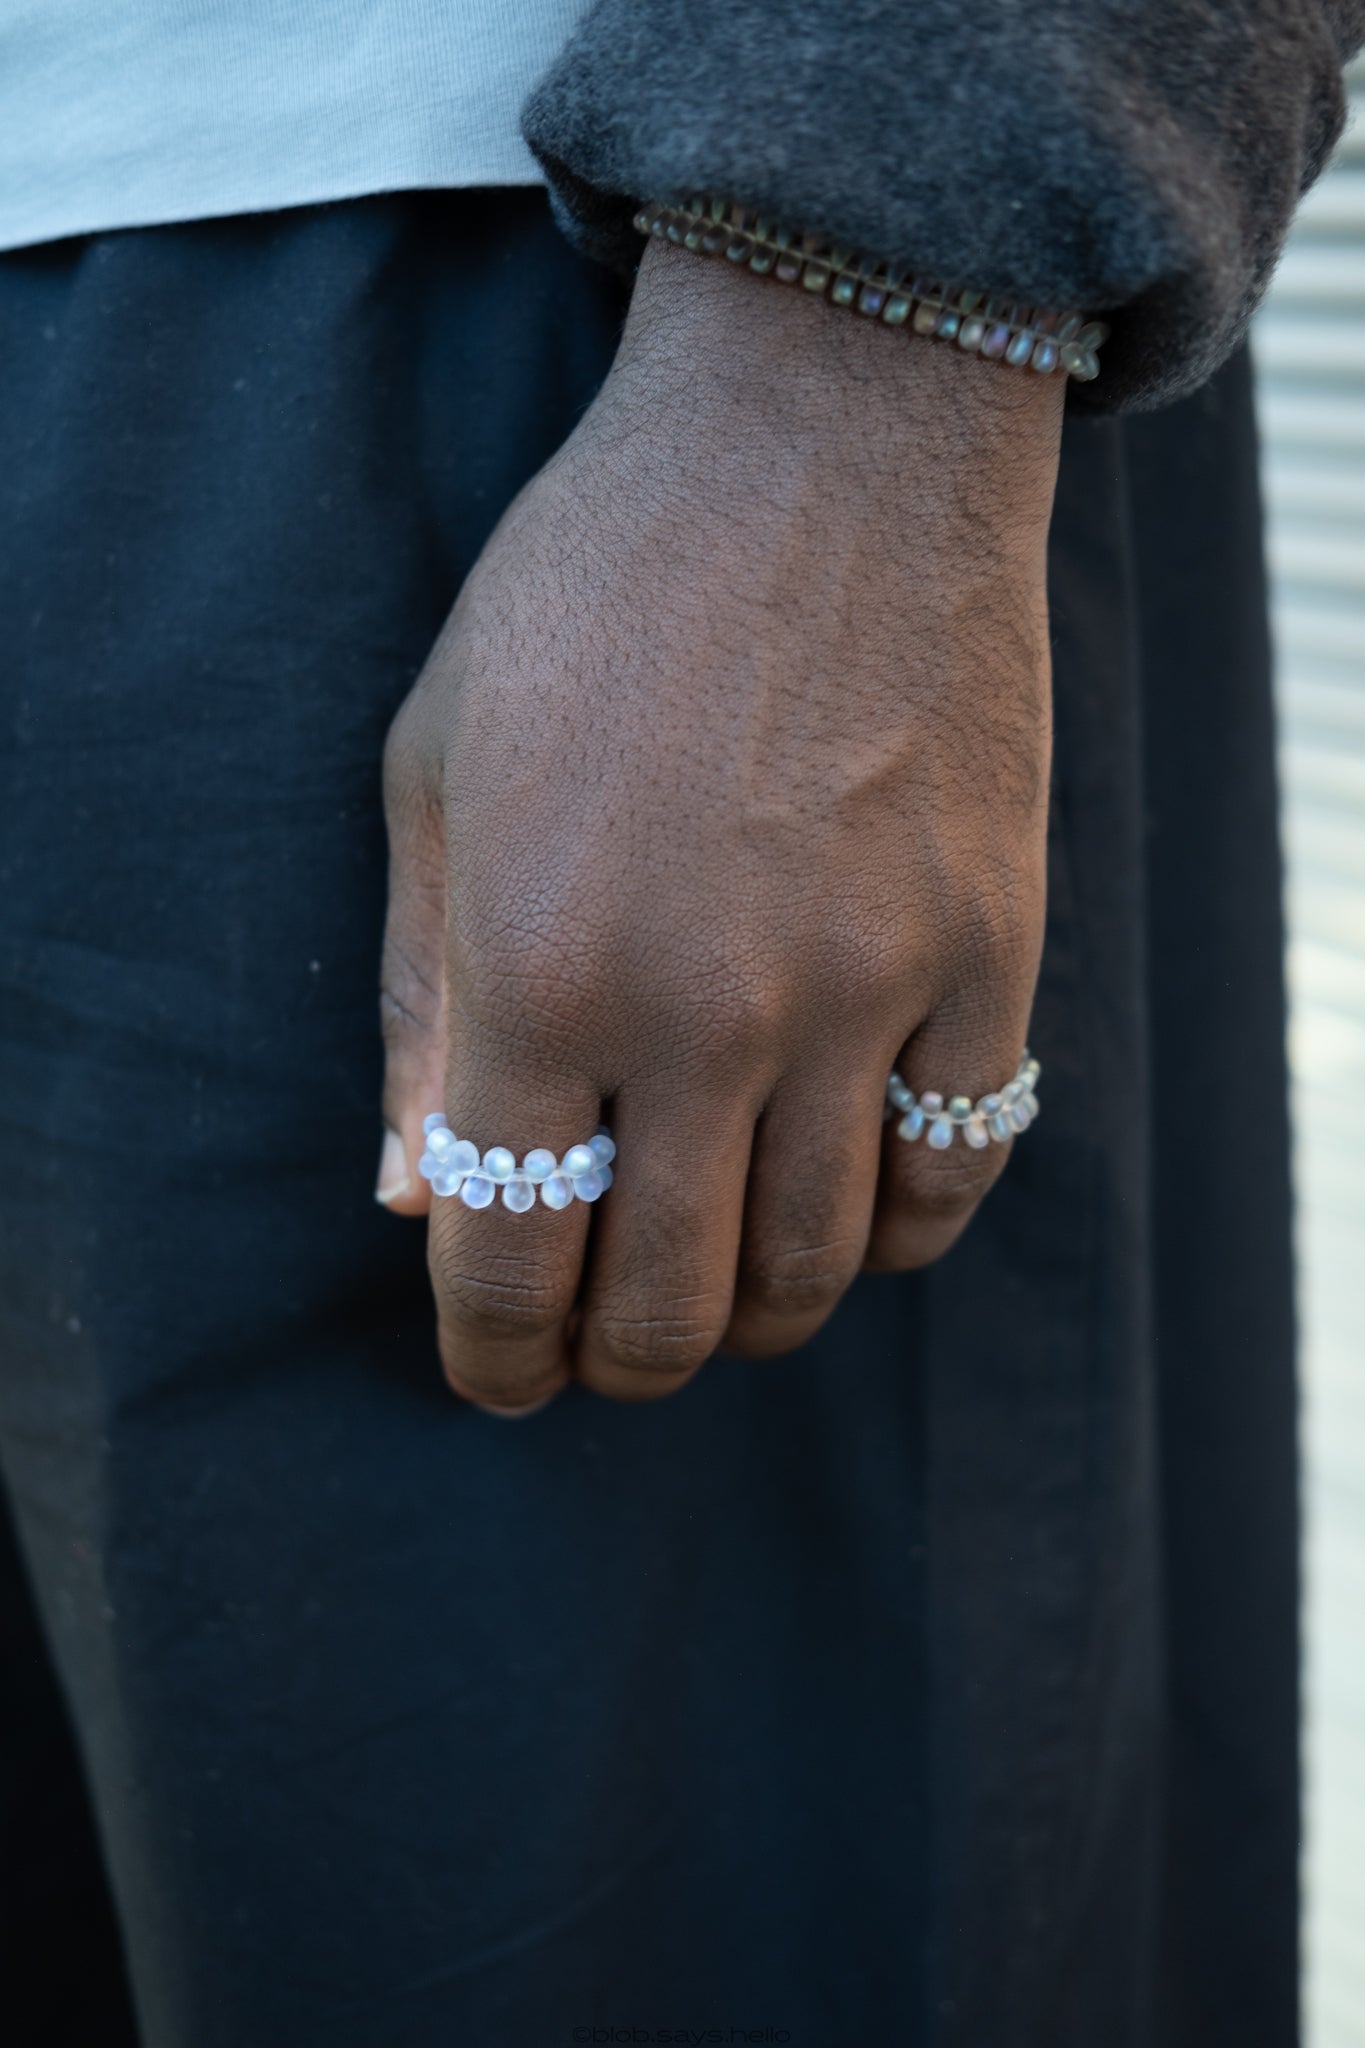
(723, 792)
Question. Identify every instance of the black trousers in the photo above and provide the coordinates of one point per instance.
(936, 1684)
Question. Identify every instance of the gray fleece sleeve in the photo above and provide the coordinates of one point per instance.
(1140, 159)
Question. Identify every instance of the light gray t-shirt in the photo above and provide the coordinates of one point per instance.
(119, 113)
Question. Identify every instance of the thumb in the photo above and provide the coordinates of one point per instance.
(412, 975)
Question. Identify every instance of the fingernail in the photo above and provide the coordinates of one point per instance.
(393, 1169)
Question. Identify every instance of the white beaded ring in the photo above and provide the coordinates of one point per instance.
(454, 1167)
(1000, 1116)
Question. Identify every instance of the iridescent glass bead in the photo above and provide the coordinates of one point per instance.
(940, 1134)
(477, 1191)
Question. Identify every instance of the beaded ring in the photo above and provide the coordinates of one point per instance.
(1000, 1116)
(998, 328)
(454, 1167)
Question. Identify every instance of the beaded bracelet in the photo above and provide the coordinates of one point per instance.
(998, 328)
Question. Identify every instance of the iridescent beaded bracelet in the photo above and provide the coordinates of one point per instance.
(983, 324)
(1000, 1116)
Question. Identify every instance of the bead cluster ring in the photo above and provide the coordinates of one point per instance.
(1000, 1116)
(454, 1167)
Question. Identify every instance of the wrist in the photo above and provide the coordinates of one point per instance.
(725, 354)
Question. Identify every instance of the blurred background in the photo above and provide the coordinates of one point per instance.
(1310, 352)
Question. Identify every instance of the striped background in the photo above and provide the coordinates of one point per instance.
(1310, 351)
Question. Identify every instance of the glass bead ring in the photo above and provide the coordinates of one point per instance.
(1001, 1115)
(455, 1166)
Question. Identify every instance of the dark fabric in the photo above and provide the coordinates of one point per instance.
(1141, 157)
(1215, 981)
(54, 1902)
(935, 1684)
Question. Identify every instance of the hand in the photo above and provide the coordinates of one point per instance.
(724, 791)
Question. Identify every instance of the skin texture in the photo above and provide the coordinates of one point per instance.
(724, 791)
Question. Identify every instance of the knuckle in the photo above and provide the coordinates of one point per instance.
(512, 1298)
(1002, 924)
(668, 1344)
(409, 996)
(735, 1019)
(521, 986)
(946, 1186)
(799, 1281)
(867, 964)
